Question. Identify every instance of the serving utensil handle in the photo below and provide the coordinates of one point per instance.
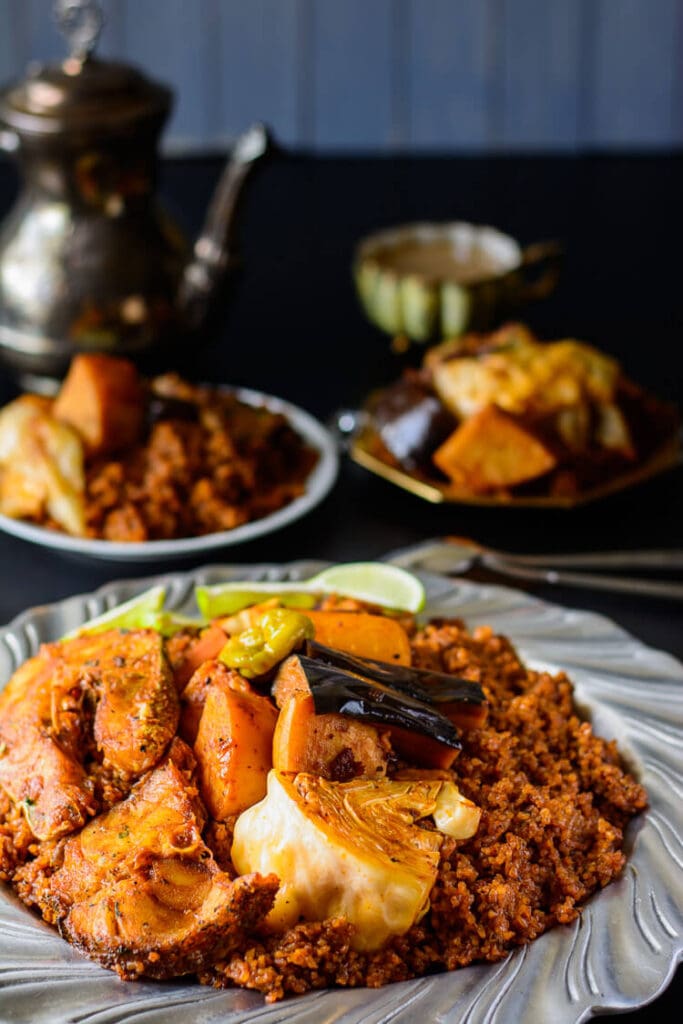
(456, 557)
(588, 581)
(643, 559)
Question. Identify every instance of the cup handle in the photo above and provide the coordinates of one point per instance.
(540, 268)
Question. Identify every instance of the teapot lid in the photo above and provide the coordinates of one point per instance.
(82, 94)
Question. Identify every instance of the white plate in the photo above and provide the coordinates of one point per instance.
(618, 956)
(318, 484)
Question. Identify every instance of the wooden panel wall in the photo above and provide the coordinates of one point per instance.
(396, 74)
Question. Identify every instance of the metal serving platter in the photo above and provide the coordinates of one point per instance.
(618, 956)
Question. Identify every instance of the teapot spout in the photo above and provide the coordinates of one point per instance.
(212, 252)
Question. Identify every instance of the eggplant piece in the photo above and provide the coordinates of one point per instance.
(340, 692)
(412, 422)
(419, 683)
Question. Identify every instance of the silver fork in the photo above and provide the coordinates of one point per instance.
(456, 555)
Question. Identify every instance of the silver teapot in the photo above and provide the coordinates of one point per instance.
(88, 259)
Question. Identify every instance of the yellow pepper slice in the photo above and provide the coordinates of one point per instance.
(259, 648)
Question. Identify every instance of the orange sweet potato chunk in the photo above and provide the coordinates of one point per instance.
(333, 746)
(102, 398)
(234, 749)
(492, 450)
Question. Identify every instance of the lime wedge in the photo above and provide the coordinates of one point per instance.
(374, 582)
(129, 615)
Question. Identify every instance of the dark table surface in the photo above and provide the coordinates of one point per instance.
(289, 324)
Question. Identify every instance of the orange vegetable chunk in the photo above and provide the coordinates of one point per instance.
(416, 748)
(208, 645)
(233, 748)
(195, 693)
(362, 634)
(291, 736)
(333, 746)
(491, 450)
(102, 398)
(290, 679)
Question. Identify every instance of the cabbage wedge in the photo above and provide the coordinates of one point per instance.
(349, 849)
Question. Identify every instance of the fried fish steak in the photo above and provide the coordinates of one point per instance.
(139, 891)
(41, 729)
(136, 701)
(108, 697)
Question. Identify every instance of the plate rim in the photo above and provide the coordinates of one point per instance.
(319, 483)
(537, 625)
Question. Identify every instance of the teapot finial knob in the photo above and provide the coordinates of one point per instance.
(80, 22)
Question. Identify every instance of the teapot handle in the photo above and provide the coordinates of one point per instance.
(212, 252)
